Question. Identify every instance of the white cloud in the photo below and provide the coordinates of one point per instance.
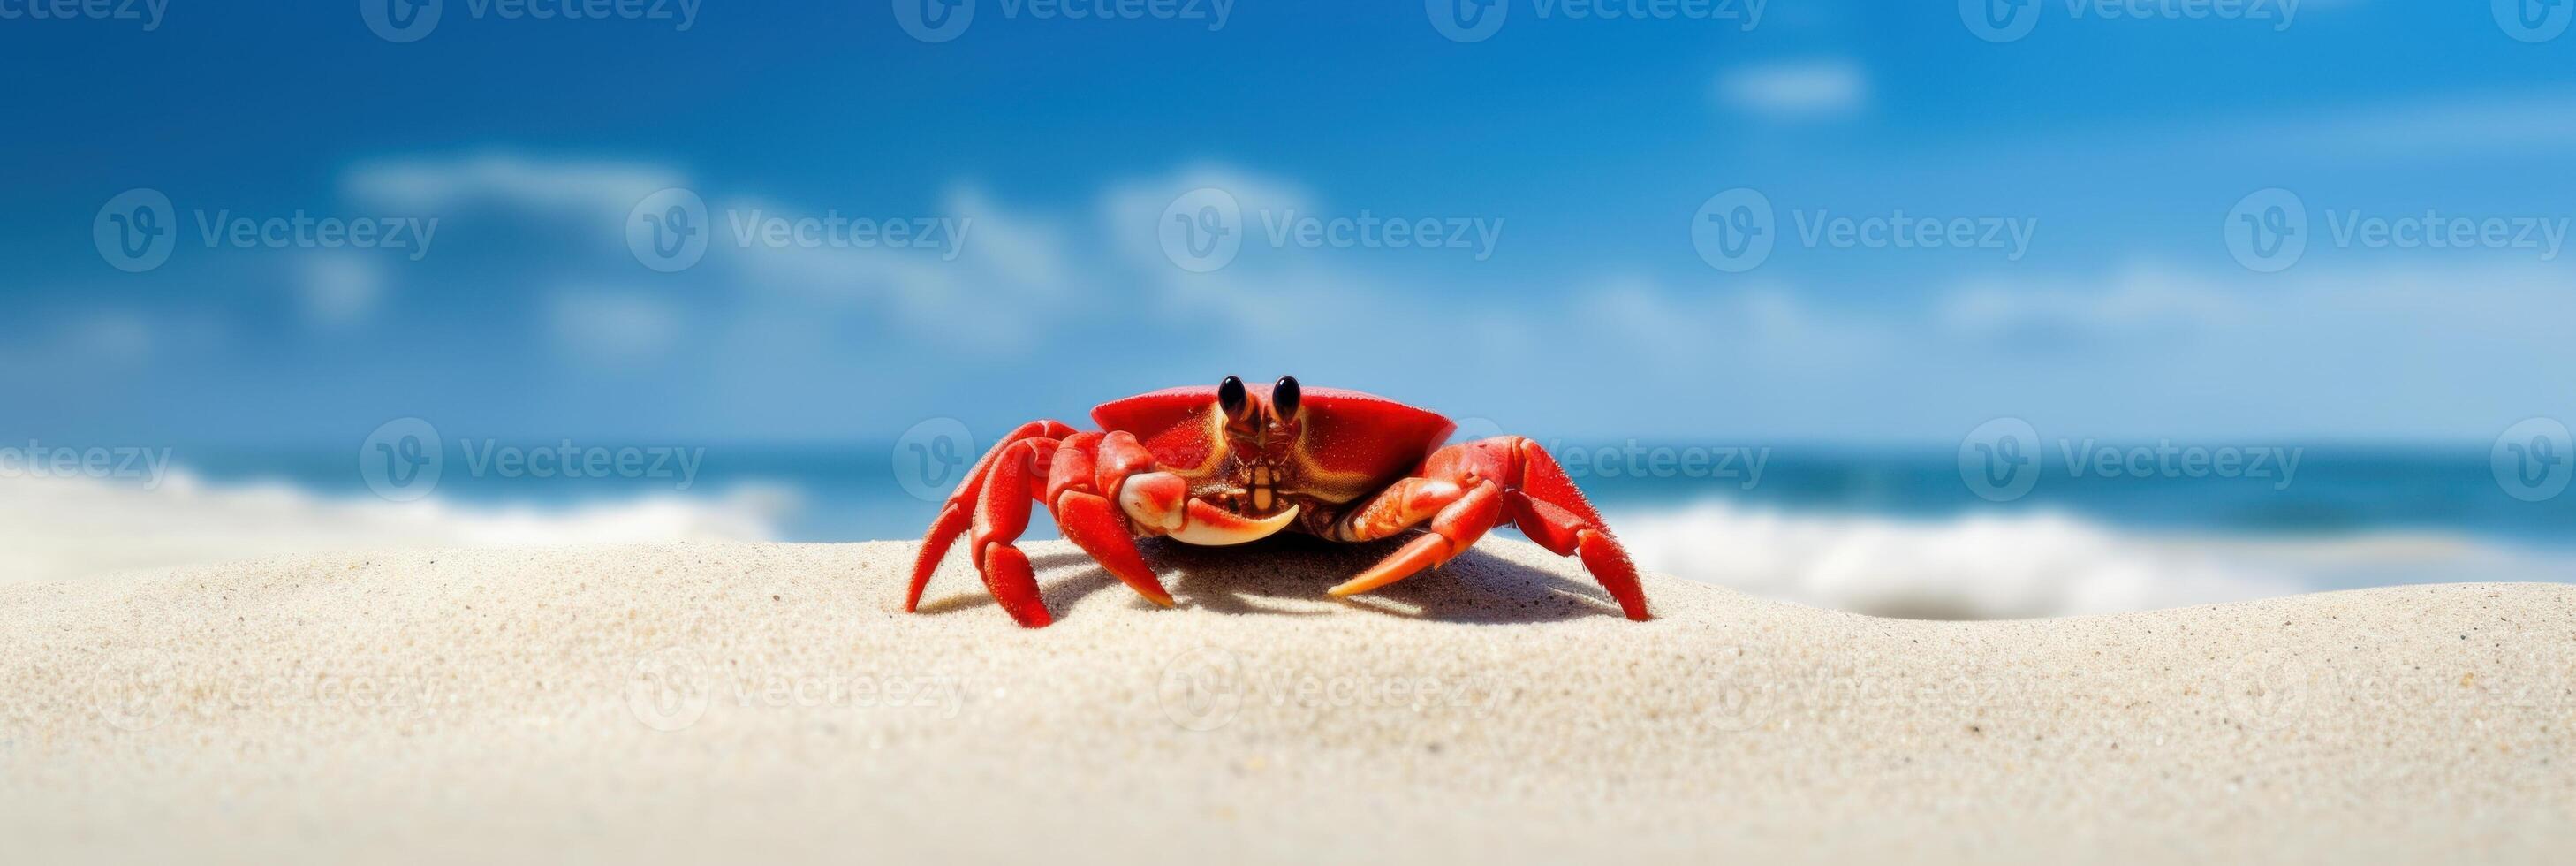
(1797, 89)
(993, 279)
(2429, 352)
(1131, 212)
(587, 187)
(2434, 350)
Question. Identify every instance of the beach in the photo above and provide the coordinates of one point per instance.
(676, 703)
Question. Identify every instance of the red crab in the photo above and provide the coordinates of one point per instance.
(1216, 466)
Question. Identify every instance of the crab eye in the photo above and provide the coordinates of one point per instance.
(1229, 396)
(1283, 397)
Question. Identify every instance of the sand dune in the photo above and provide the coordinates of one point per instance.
(739, 701)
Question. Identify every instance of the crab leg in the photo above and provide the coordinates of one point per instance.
(1471, 487)
(999, 518)
(958, 513)
(1455, 526)
(1548, 508)
(1078, 492)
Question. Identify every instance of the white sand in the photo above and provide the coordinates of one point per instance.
(505, 706)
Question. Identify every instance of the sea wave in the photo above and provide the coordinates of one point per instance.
(1979, 566)
(56, 528)
(1993, 566)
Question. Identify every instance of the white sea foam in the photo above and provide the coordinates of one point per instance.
(70, 527)
(1970, 567)
(2009, 566)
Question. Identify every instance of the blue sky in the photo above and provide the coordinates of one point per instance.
(1585, 147)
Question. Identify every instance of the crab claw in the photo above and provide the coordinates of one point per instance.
(1161, 500)
(1210, 526)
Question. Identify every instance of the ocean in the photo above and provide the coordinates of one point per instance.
(1920, 532)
